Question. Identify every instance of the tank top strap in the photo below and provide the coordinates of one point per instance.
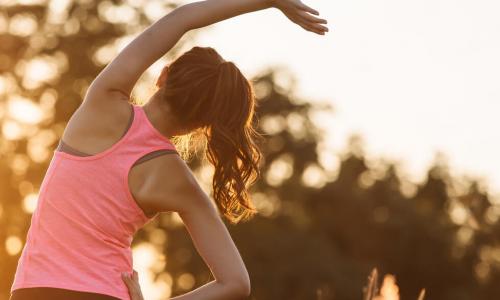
(143, 138)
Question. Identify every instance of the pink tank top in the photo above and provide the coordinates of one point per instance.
(82, 228)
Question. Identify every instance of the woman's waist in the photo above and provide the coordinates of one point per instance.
(104, 279)
(52, 293)
(66, 255)
(49, 265)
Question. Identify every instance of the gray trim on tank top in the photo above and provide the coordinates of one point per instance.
(63, 147)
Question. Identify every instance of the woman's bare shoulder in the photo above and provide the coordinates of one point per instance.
(173, 186)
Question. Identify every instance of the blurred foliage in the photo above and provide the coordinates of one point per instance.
(323, 225)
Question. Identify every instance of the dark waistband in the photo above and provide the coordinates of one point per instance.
(49, 293)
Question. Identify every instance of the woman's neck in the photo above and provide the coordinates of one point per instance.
(161, 117)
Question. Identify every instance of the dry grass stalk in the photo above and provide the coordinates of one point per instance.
(372, 288)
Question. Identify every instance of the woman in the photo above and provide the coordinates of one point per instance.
(109, 177)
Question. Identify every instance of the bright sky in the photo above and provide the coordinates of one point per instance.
(413, 77)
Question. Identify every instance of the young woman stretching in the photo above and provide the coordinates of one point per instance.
(109, 175)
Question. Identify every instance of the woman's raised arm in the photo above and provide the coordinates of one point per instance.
(125, 69)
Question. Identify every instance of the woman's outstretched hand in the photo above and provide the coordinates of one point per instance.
(132, 282)
(301, 14)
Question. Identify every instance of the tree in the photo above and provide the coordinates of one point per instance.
(317, 233)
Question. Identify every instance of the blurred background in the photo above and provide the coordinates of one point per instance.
(380, 141)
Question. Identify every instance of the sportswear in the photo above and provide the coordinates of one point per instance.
(82, 228)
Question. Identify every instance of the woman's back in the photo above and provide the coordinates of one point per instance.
(87, 214)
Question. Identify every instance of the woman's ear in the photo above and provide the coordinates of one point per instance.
(163, 77)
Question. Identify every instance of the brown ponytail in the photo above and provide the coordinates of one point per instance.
(212, 97)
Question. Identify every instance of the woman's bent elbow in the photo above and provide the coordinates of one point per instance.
(241, 290)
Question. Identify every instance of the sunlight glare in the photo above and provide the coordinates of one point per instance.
(295, 123)
(24, 110)
(32, 2)
(389, 289)
(25, 188)
(136, 3)
(117, 13)
(176, 219)
(104, 55)
(19, 164)
(408, 189)
(262, 89)
(23, 25)
(158, 236)
(58, 11)
(11, 130)
(154, 9)
(331, 165)
(39, 145)
(284, 80)
(13, 245)
(30, 202)
(492, 214)
(24, 2)
(313, 176)
(7, 85)
(48, 100)
(366, 179)
(204, 176)
(71, 26)
(482, 270)
(38, 153)
(144, 257)
(3, 85)
(280, 170)
(266, 204)
(273, 124)
(186, 281)
(4, 24)
(40, 70)
(458, 212)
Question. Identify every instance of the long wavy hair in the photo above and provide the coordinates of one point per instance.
(211, 98)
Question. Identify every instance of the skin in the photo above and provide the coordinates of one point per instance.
(132, 282)
(93, 128)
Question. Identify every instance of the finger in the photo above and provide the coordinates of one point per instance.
(126, 279)
(306, 8)
(318, 31)
(321, 28)
(135, 275)
(130, 279)
(315, 26)
(309, 28)
(312, 18)
(304, 24)
(312, 22)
